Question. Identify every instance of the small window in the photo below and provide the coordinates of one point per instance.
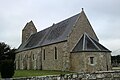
(44, 54)
(91, 60)
(26, 56)
(33, 56)
(20, 57)
(55, 52)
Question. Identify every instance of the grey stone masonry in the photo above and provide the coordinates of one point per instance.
(101, 75)
(69, 45)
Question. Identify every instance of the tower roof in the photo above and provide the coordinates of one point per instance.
(29, 24)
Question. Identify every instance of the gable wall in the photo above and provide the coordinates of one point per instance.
(81, 26)
(28, 30)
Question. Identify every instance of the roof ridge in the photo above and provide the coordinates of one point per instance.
(59, 22)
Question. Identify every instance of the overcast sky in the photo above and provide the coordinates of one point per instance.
(104, 16)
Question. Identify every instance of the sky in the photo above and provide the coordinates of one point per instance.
(104, 16)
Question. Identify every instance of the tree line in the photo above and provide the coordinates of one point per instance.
(7, 60)
(115, 61)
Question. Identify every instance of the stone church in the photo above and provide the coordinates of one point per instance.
(70, 45)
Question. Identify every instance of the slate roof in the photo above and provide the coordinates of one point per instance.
(87, 43)
(56, 33)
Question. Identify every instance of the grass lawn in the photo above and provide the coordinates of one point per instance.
(28, 73)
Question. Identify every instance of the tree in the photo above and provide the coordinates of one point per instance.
(115, 60)
(7, 57)
(7, 68)
(4, 49)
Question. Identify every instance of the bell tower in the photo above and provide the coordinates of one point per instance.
(28, 30)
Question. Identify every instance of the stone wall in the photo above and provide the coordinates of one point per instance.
(30, 59)
(109, 75)
(28, 30)
(44, 58)
(80, 62)
(50, 63)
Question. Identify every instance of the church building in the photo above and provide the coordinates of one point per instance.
(70, 45)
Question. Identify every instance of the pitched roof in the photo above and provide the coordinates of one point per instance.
(87, 43)
(29, 24)
(56, 33)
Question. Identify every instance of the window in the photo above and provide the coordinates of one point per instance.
(91, 60)
(26, 56)
(55, 52)
(20, 57)
(44, 54)
(33, 56)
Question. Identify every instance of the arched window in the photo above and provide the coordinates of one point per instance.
(55, 53)
(21, 57)
(33, 56)
(44, 54)
(26, 56)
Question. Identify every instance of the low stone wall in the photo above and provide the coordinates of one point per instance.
(106, 75)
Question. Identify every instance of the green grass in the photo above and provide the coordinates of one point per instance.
(28, 73)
